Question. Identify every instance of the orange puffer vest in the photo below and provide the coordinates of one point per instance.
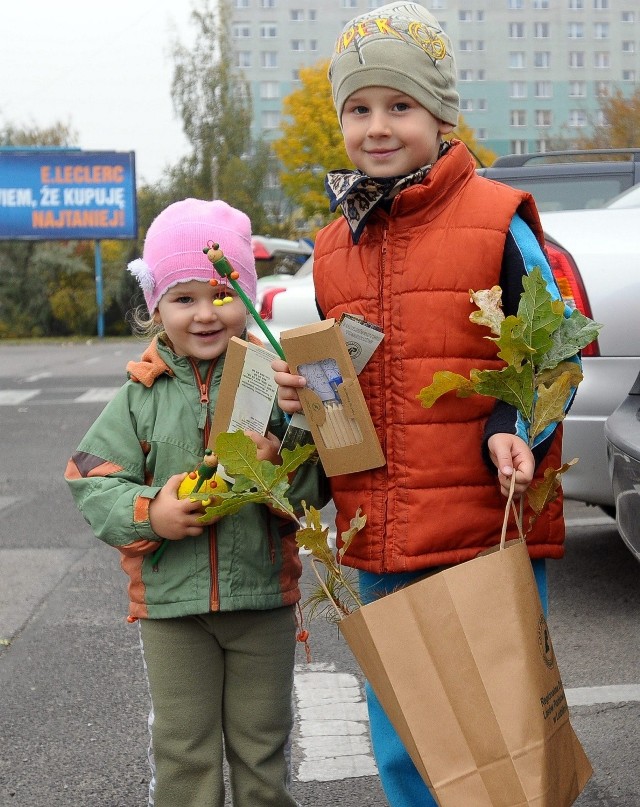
(434, 502)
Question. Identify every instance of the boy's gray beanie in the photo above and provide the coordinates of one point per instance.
(401, 46)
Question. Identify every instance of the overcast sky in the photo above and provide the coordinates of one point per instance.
(103, 67)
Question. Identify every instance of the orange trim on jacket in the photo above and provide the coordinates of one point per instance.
(435, 502)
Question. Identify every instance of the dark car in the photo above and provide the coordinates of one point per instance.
(622, 431)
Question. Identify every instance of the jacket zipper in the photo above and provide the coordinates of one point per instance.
(203, 386)
(383, 268)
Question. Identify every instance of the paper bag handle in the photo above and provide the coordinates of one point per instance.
(511, 504)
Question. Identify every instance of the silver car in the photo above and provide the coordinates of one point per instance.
(622, 431)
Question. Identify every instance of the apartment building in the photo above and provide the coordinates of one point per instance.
(529, 70)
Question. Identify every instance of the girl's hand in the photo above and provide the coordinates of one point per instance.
(288, 385)
(173, 518)
(509, 453)
(268, 446)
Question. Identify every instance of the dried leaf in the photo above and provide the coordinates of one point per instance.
(489, 301)
(546, 491)
(445, 381)
(550, 404)
(356, 524)
(547, 377)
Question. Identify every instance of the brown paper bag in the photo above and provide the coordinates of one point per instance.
(463, 665)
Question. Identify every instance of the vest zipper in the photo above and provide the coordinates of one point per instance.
(204, 423)
(383, 268)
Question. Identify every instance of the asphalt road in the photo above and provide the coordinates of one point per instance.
(73, 698)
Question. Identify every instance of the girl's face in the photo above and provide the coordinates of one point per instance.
(195, 326)
(389, 134)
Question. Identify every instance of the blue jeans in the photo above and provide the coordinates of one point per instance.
(401, 782)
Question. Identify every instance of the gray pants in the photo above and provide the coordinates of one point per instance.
(221, 675)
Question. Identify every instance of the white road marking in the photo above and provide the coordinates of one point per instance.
(616, 693)
(333, 725)
(14, 397)
(97, 394)
(37, 377)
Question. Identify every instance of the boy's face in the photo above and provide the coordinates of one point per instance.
(388, 134)
(195, 326)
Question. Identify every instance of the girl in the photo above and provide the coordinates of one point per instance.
(216, 611)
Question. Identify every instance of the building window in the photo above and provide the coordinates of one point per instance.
(241, 31)
(628, 46)
(465, 44)
(577, 89)
(576, 5)
(296, 15)
(268, 31)
(541, 30)
(436, 5)
(270, 119)
(242, 3)
(480, 16)
(482, 104)
(481, 134)
(603, 89)
(629, 75)
(480, 44)
(269, 90)
(313, 15)
(516, 59)
(297, 45)
(481, 75)
(267, 3)
(465, 75)
(516, 30)
(518, 117)
(465, 16)
(601, 5)
(519, 147)
(515, 5)
(628, 16)
(313, 45)
(295, 75)
(576, 58)
(601, 30)
(543, 117)
(577, 118)
(243, 58)
(602, 60)
(542, 58)
(543, 89)
(348, 3)
(576, 30)
(517, 89)
(466, 105)
(269, 58)
(539, 4)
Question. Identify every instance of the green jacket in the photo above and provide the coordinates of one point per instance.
(155, 428)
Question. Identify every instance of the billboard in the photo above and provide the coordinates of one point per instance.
(67, 195)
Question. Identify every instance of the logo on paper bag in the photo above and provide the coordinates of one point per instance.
(544, 642)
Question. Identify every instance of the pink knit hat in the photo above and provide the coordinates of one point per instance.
(175, 240)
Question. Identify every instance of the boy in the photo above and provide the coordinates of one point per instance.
(419, 229)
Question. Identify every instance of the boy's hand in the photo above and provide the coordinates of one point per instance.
(509, 452)
(288, 386)
(173, 518)
(268, 446)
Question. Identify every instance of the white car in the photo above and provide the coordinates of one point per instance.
(286, 301)
(595, 256)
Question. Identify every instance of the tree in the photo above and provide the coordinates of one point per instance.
(59, 135)
(311, 143)
(620, 122)
(215, 107)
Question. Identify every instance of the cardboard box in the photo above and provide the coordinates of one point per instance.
(333, 402)
(247, 390)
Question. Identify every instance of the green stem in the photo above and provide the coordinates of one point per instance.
(224, 268)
